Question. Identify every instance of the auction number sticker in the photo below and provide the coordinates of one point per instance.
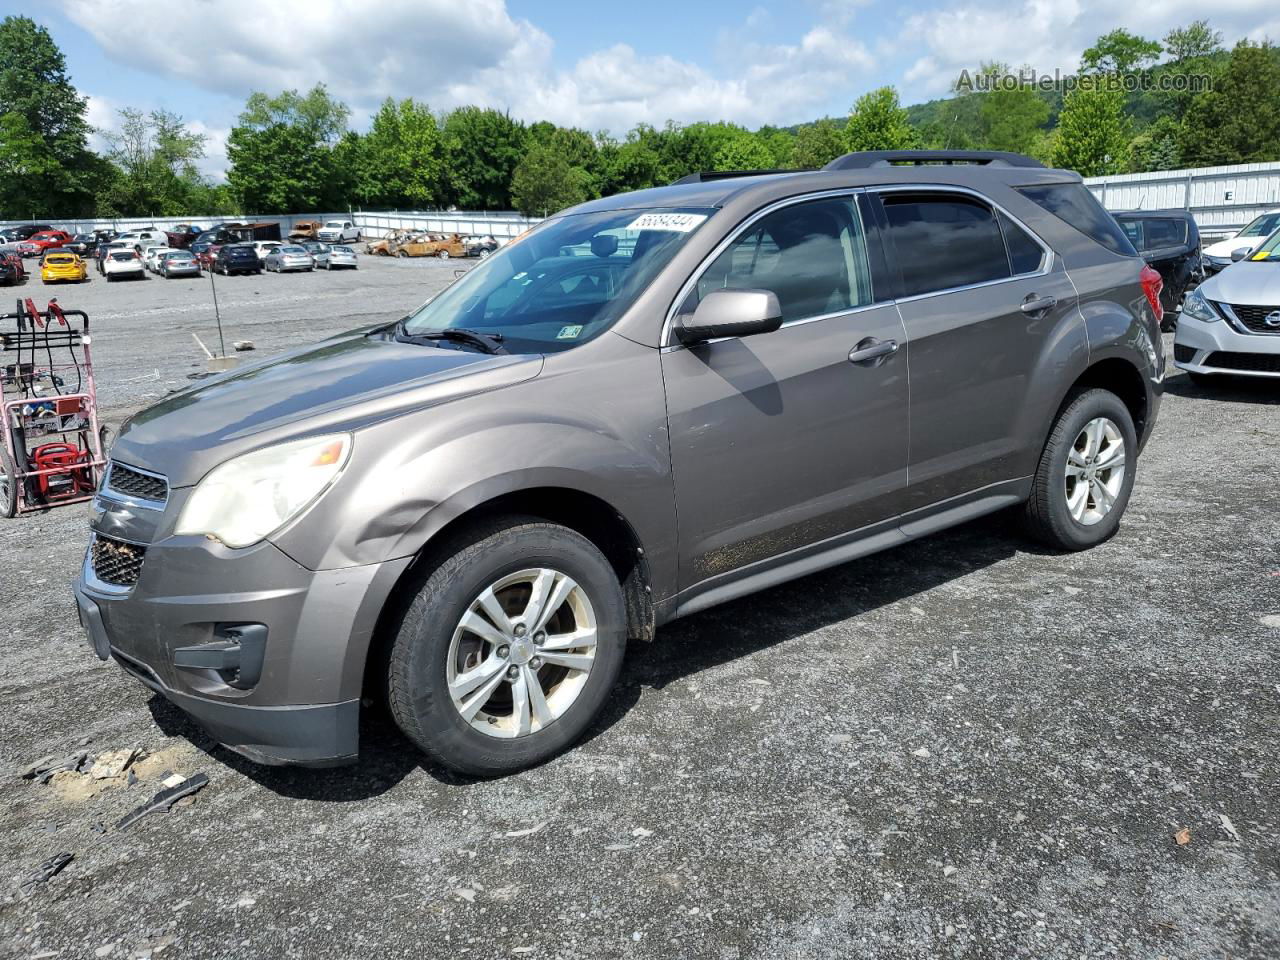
(570, 332)
(674, 222)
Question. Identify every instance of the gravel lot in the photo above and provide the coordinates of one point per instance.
(967, 747)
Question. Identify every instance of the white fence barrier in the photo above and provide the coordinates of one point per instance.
(1222, 199)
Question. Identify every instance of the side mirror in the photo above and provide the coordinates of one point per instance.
(730, 313)
(1240, 254)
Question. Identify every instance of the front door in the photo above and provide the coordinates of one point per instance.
(780, 441)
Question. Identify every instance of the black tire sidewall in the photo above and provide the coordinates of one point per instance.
(1086, 407)
(427, 630)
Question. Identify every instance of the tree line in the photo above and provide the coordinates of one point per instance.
(295, 151)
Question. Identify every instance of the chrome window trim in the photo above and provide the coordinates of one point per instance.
(666, 341)
(143, 503)
(1046, 261)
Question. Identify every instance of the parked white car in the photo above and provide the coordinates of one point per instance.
(264, 247)
(124, 264)
(338, 231)
(1230, 324)
(151, 257)
(1217, 256)
(340, 258)
(141, 239)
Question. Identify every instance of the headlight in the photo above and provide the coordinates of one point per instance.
(1195, 305)
(251, 497)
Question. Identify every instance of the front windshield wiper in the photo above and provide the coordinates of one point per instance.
(486, 342)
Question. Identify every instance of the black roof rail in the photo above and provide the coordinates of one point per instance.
(887, 158)
(708, 175)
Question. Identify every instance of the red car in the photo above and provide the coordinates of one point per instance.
(11, 269)
(38, 243)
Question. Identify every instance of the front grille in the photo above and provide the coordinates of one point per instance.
(1255, 318)
(1183, 354)
(134, 483)
(1253, 362)
(116, 562)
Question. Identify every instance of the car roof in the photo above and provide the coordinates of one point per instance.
(716, 190)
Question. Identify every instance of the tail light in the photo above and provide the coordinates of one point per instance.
(1152, 284)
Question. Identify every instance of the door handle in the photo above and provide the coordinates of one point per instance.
(872, 349)
(1034, 304)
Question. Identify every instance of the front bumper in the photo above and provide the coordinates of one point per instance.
(304, 707)
(1218, 347)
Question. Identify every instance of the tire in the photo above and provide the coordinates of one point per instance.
(8, 486)
(443, 254)
(429, 633)
(1047, 515)
(402, 254)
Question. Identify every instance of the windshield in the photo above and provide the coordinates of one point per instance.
(123, 256)
(337, 224)
(290, 250)
(1270, 249)
(564, 282)
(1265, 224)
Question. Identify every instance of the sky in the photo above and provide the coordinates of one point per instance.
(600, 66)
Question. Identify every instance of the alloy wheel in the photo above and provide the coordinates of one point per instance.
(1095, 471)
(521, 653)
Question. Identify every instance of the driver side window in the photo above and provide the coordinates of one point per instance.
(812, 255)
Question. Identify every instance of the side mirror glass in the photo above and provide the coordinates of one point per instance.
(1240, 254)
(730, 313)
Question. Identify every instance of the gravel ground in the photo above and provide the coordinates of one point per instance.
(966, 747)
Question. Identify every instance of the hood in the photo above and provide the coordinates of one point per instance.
(339, 385)
(1250, 282)
(1224, 248)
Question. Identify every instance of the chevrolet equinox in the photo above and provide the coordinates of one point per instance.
(646, 405)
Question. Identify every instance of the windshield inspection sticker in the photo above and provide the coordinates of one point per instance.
(569, 333)
(675, 222)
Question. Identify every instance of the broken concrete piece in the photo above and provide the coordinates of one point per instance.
(107, 766)
(44, 768)
(243, 345)
(163, 800)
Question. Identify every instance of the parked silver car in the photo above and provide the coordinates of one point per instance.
(179, 263)
(319, 252)
(1230, 324)
(471, 511)
(340, 257)
(287, 258)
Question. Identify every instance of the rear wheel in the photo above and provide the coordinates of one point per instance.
(8, 486)
(510, 648)
(1085, 475)
(404, 254)
(443, 254)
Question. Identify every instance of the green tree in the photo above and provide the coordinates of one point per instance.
(1009, 118)
(156, 156)
(818, 143)
(48, 170)
(1093, 131)
(401, 159)
(634, 164)
(878, 122)
(1193, 42)
(1119, 52)
(545, 182)
(482, 149)
(282, 152)
(1236, 122)
(1156, 148)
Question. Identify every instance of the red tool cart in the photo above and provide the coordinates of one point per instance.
(52, 448)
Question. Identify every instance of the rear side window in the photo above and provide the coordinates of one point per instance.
(1025, 254)
(1074, 204)
(944, 241)
(1165, 233)
(812, 255)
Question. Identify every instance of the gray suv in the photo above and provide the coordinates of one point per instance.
(647, 405)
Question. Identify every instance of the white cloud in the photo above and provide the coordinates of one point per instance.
(103, 115)
(1050, 35)
(449, 53)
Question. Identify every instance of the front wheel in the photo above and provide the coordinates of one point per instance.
(1085, 475)
(509, 649)
(443, 254)
(8, 486)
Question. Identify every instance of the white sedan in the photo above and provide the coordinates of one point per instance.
(341, 257)
(286, 258)
(124, 264)
(151, 257)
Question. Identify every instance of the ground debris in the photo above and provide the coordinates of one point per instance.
(43, 872)
(114, 763)
(1229, 827)
(43, 769)
(163, 800)
(1182, 837)
(243, 345)
(527, 832)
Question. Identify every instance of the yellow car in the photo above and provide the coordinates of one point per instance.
(63, 266)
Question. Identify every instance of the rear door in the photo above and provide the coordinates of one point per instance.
(779, 441)
(980, 296)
